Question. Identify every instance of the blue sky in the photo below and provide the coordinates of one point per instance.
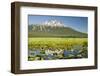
(77, 23)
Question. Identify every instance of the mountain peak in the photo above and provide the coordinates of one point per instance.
(53, 23)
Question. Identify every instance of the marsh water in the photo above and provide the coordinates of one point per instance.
(51, 54)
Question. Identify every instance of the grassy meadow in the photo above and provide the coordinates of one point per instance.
(42, 48)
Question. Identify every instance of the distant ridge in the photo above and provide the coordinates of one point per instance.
(53, 28)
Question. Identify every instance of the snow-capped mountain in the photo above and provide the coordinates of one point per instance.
(53, 28)
(53, 23)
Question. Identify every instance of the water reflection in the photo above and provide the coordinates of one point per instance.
(51, 54)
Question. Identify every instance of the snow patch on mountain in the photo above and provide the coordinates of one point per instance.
(53, 23)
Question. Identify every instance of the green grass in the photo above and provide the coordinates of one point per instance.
(55, 45)
(56, 42)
